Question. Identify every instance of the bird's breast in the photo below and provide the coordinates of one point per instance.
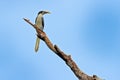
(39, 22)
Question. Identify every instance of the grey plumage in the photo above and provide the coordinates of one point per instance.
(39, 22)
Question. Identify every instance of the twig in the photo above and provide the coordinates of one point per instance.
(67, 58)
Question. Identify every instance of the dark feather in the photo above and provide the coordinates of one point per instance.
(43, 22)
(35, 19)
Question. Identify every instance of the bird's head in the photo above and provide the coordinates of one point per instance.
(43, 12)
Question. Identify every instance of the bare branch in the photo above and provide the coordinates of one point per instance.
(67, 58)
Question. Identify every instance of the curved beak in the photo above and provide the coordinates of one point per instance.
(47, 12)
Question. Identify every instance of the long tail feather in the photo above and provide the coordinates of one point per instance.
(37, 44)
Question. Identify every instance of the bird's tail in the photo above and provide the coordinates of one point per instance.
(37, 44)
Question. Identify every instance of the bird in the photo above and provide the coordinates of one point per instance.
(39, 22)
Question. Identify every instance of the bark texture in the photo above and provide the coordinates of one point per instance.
(67, 58)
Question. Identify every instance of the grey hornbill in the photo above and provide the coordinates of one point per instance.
(39, 22)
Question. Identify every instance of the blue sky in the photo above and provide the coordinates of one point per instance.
(87, 30)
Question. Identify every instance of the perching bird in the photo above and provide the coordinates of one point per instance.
(39, 22)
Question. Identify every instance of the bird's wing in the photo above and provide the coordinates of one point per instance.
(36, 19)
(43, 22)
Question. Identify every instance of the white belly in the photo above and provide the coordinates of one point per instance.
(39, 22)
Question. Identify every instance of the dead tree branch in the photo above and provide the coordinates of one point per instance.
(67, 58)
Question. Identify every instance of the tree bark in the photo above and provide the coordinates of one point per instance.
(67, 58)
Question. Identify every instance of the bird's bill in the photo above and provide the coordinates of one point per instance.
(47, 12)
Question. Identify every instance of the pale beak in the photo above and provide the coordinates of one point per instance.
(47, 12)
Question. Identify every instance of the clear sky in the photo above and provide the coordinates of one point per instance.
(88, 30)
